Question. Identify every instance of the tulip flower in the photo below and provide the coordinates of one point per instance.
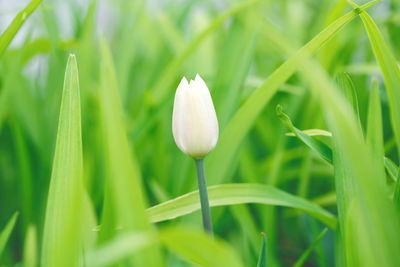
(195, 130)
(194, 122)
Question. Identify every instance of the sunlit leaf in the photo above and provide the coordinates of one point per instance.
(125, 203)
(219, 162)
(233, 194)
(62, 239)
(9, 34)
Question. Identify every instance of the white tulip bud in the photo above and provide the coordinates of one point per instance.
(194, 121)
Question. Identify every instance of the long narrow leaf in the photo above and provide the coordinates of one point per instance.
(120, 248)
(124, 205)
(375, 240)
(163, 84)
(392, 169)
(262, 259)
(314, 144)
(6, 232)
(62, 241)
(233, 194)
(9, 34)
(219, 162)
(391, 74)
(190, 244)
(199, 247)
(308, 251)
(374, 128)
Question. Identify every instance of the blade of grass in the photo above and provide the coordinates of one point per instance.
(190, 244)
(313, 132)
(314, 144)
(119, 248)
(30, 248)
(163, 85)
(262, 260)
(207, 251)
(25, 174)
(233, 194)
(124, 205)
(62, 242)
(378, 217)
(233, 68)
(346, 85)
(392, 169)
(6, 232)
(375, 128)
(323, 149)
(9, 34)
(345, 183)
(308, 251)
(391, 75)
(219, 161)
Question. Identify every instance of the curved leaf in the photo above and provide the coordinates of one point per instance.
(391, 74)
(314, 144)
(233, 194)
(219, 161)
(12, 29)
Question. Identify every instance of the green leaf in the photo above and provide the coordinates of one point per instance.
(30, 248)
(219, 161)
(6, 232)
(324, 150)
(392, 169)
(233, 194)
(314, 144)
(62, 238)
(233, 67)
(163, 85)
(9, 34)
(124, 205)
(344, 82)
(191, 244)
(308, 251)
(119, 248)
(313, 132)
(391, 75)
(199, 247)
(375, 130)
(262, 259)
(374, 241)
(346, 86)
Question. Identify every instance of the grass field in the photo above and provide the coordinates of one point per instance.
(305, 171)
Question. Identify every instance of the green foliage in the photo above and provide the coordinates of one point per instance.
(63, 231)
(109, 187)
(8, 35)
(6, 231)
(230, 194)
(308, 251)
(242, 121)
(124, 205)
(262, 259)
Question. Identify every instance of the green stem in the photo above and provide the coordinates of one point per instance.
(205, 206)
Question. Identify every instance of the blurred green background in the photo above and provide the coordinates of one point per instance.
(153, 45)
